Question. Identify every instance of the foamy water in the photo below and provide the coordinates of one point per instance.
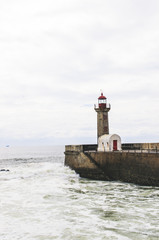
(41, 199)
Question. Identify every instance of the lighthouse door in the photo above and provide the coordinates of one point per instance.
(114, 145)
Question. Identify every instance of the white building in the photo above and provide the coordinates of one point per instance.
(109, 142)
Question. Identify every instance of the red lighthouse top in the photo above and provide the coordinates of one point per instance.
(102, 101)
(102, 97)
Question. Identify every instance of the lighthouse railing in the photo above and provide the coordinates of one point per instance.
(90, 147)
(107, 106)
(141, 148)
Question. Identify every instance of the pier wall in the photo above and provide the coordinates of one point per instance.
(140, 146)
(125, 146)
(132, 167)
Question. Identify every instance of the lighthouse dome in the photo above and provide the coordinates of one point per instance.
(102, 97)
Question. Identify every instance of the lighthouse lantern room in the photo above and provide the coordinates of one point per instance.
(102, 101)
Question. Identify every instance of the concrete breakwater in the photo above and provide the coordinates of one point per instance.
(131, 165)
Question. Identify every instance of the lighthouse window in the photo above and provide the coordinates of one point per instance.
(102, 101)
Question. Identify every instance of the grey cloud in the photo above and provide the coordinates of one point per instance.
(56, 56)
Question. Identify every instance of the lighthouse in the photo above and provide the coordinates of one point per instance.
(106, 141)
(102, 116)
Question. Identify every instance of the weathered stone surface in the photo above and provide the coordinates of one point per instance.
(141, 146)
(139, 168)
(102, 121)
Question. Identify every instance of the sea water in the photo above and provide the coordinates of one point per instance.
(41, 199)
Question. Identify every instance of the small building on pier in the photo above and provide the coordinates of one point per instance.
(109, 142)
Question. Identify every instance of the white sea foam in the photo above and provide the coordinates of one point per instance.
(41, 199)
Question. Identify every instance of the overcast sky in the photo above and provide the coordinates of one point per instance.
(55, 56)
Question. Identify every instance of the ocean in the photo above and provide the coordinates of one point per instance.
(41, 199)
